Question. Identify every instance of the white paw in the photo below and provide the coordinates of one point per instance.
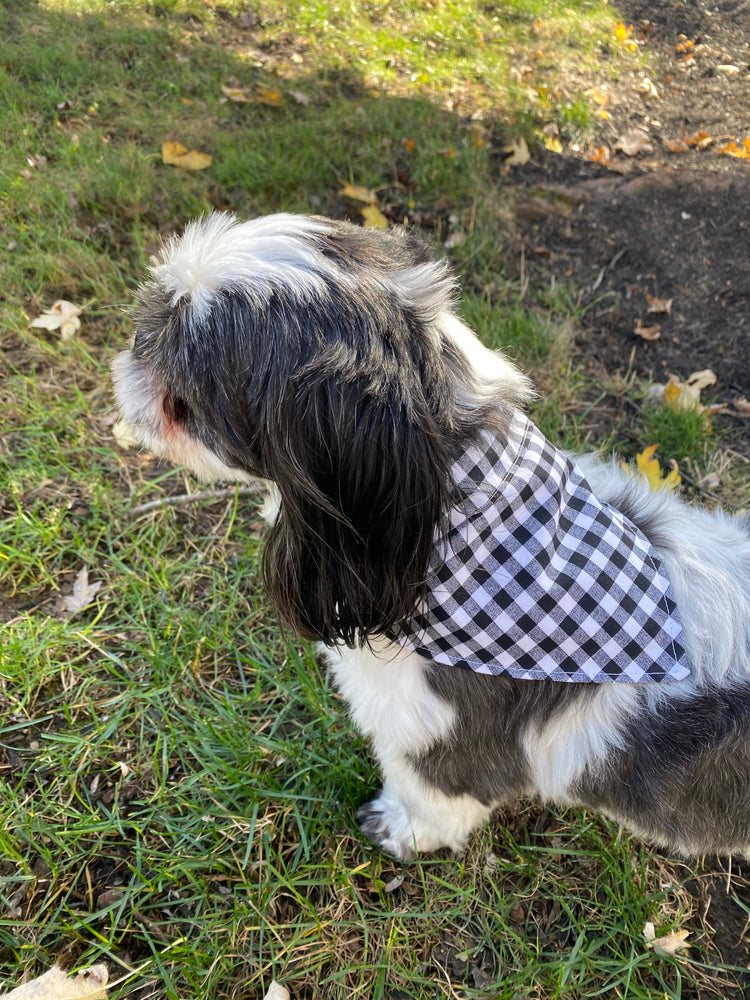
(386, 823)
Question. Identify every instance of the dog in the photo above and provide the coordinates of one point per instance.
(504, 620)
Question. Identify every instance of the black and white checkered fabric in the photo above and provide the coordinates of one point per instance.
(539, 579)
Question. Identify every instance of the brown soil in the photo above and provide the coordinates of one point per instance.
(674, 225)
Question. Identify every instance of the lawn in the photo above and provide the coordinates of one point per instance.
(178, 780)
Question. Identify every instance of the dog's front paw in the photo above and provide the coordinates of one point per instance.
(385, 822)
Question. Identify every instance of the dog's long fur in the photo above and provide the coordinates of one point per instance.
(328, 361)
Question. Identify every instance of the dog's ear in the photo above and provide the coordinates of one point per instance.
(362, 468)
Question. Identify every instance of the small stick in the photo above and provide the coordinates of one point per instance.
(242, 491)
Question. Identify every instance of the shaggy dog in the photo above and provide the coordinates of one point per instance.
(503, 620)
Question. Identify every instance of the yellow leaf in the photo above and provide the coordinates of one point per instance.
(553, 144)
(672, 391)
(374, 217)
(272, 98)
(177, 155)
(622, 34)
(741, 152)
(359, 193)
(649, 468)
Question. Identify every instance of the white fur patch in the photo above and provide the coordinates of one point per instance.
(392, 703)
(577, 737)
(501, 379)
(140, 403)
(220, 253)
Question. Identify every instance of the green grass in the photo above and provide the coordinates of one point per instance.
(177, 779)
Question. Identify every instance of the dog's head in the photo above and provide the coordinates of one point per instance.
(327, 359)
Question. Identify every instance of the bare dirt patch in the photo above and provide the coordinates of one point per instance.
(673, 225)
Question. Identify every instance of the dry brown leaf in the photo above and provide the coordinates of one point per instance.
(374, 217)
(63, 316)
(409, 145)
(55, 984)
(656, 305)
(675, 145)
(646, 332)
(600, 155)
(358, 193)
(177, 155)
(741, 405)
(667, 944)
(700, 140)
(519, 153)
(123, 435)
(633, 143)
(239, 95)
(83, 593)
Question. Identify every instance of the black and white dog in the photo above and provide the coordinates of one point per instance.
(503, 621)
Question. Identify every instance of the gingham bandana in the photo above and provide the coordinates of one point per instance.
(538, 579)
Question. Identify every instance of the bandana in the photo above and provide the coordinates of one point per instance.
(537, 578)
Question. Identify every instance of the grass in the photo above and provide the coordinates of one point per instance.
(177, 779)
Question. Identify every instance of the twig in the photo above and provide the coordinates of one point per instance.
(242, 491)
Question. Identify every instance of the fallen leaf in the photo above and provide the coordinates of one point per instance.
(700, 139)
(646, 332)
(684, 43)
(647, 87)
(276, 992)
(374, 217)
(656, 305)
(633, 143)
(667, 944)
(359, 193)
(63, 316)
(55, 984)
(675, 145)
(177, 155)
(238, 94)
(622, 34)
(650, 470)
(455, 239)
(600, 155)
(741, 405)
(271, 98)
(123, 435)
(553, 144)
(687, 394)
(728, 68)
(449, 152)
(409, 145)
(300, 97)
(741, 152)
(83, 593)
(519, 153)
